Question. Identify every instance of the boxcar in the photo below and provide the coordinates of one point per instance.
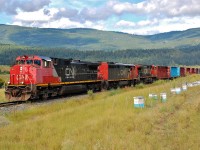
(163, 72)
(174, 72)
(193, 70)
(182, 71)
(198, 71)
(188, 71)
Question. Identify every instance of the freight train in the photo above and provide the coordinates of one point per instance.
(33, 77)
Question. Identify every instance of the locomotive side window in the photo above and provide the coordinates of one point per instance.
(46, 64)
(55, 61)
(37, 62)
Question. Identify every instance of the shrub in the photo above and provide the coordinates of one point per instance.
(140, 86)
(91, 94)
(1, 83)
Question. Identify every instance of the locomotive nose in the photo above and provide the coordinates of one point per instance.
(18, 93)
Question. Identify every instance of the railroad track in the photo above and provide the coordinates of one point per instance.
(7, 104)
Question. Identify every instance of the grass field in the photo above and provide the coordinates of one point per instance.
(5, 68)
(108, 120)
(2, 95)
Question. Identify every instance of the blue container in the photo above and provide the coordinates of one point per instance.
(175, 72)
(139, 102)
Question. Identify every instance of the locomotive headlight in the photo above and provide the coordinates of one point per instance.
(8, 82)
(20, 68)
(22, 82)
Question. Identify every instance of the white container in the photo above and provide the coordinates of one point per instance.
(138, 102)
(178, 90)
(184, 87)
(163, 97)
(173, 90)
(190, 85)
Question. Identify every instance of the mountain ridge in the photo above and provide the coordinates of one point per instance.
(93, 39)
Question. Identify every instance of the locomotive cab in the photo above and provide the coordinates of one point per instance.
(26, 74)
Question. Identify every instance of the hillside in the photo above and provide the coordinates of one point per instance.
(91, 39)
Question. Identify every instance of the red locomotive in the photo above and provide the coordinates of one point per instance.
(35, 77)
(28, 72)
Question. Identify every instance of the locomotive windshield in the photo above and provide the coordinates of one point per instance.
(28, 62)
(20, 62)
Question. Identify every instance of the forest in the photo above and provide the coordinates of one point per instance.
(180, 56)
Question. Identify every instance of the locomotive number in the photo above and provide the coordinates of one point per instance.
(69, 73)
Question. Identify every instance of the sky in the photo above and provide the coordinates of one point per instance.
(142, 17)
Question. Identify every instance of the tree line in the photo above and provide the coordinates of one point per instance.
(179, 56)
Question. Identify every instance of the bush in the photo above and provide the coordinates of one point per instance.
(140, 86)
(91, 94)
(1, 83)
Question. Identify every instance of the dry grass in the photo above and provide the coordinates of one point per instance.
(109, 121)
(5, 68)
(2, 95)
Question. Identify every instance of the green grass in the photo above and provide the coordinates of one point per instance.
(109, 121)
(4, 77)
(4, 72)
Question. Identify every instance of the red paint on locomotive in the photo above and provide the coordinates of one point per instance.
(154, 71)
(134, 73)
(103, 71)
(32, 70)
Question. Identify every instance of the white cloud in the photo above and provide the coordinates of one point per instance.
(144, 23)
(161, 16)
(35, 16)
(123, 23)
(47, 20)
(159, 8)
(166, 25)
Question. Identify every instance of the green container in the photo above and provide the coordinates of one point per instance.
(153, 96)
(163, 97)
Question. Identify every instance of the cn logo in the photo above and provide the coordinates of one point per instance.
(69, 73)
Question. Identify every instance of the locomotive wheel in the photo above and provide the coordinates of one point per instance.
(45, 96)
(105, 85)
